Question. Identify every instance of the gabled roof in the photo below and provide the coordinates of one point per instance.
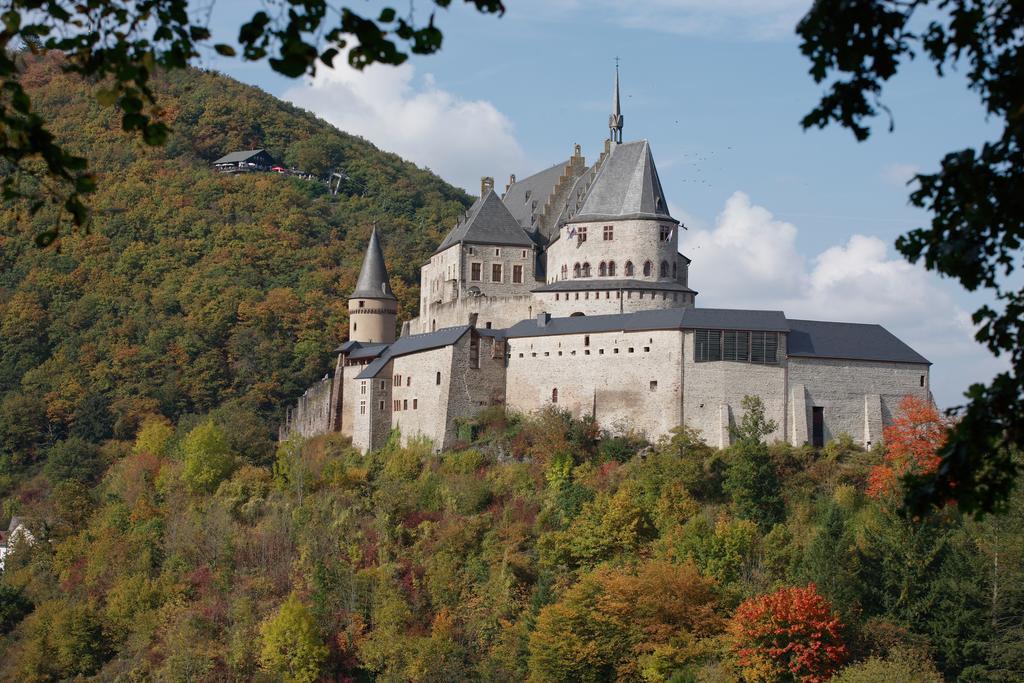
(626, 186)
(413, 344)
(522, 194)
(487, 222)
(373, 282)
(235, 157)
(848, 341)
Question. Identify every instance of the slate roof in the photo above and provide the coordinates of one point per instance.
(488, 222)
(626, 186)
(734, 319)
(850, 341)
(235, 157)
(521, 195)
(373, 282)
(413, 344)
(575, 285)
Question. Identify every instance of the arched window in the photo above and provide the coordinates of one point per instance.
(565, 271)
(554, 395)
(629, 269)
(586, 270)
(611, 269)
(664, 269)
(576, 270)
(647, 268)
(602, 269)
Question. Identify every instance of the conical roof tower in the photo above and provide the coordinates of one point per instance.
(372, 306)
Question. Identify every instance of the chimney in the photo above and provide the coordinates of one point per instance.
(542, 319)
(472, 319)
(511, 182)
(486, 183)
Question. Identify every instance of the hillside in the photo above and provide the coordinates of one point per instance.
(193, 289)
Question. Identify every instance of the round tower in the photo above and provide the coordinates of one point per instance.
(372, 307)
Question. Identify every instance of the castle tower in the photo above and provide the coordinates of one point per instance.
(372, 307)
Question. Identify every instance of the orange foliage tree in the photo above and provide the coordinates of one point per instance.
(789, 635)
(912, 443)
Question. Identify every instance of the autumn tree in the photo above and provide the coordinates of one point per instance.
(912, 445)
(292, 647)
(208, 458)
(789, 635)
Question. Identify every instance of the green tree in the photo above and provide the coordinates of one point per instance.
(14, 606)
(154, 436)
(208, 458)
(753, 485)
(753, 426)
(292, 647)
(74, 459)
(977, 227)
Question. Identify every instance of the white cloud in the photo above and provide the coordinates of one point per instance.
(460, 140)
(899, 175)
(750, 259)
(737, 19)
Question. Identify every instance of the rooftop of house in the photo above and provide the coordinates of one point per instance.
(373, 282)
(488, 221)
(236, 157)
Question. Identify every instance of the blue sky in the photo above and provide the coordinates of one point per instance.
(778, 217)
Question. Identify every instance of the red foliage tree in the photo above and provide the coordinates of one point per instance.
(789, 635)
(912, 442)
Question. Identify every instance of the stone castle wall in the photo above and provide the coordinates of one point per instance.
(312, 413)
(634, 241)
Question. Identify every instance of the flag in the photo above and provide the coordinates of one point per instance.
(572, 232)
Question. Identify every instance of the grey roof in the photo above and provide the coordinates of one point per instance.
(357, 350)
(373, 282)
(852, 341)
(734, 319)
(235, 157)
(488, 222)
(626, 186)
(413, 344)
(581, 285)
(666, 319)
(523, 194)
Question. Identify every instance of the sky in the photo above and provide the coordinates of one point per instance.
(777, 217)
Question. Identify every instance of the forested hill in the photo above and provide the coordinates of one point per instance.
(193, 289)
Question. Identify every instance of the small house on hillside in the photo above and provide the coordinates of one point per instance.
(246, 160)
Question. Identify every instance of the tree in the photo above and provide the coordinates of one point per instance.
(208, 459)
(912, 444)
(127, 41)
(789, 635)
(154, 436)
(754, 426)
(977, 206)
(753, 484)
(73, 459)
(291, 644)
(14, 606)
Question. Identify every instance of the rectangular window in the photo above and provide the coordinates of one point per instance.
(586, 340)
(475, 270)
(362, 388)
(764, 347)
(382, 405)
(665, 232)
(497, 252)
(922, 380)
(654, 385)
(524, 253)
(415, 403)
(408, 381)
(405, 404)
(736, 346)
(495, 272)
(517, 274)
(382, 384)
(707, 345)
(608, 233)
(581, 235)
(362, 407)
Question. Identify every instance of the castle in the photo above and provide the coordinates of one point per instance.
(568, 289)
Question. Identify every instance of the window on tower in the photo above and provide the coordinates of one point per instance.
(647, 268)
(608, 232)
(664, 269)
(611, 269)
(629, 269)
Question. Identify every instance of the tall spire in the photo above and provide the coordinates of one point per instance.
(616, 118)
(373, 277)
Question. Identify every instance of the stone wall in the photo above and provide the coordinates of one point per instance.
(473, 389)
(371, 429)
(312, 413)
(610, 301)
(713, 393)
(495, 312)
(625, 379)
(858, 397)
(634, 241)
(424, 380)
